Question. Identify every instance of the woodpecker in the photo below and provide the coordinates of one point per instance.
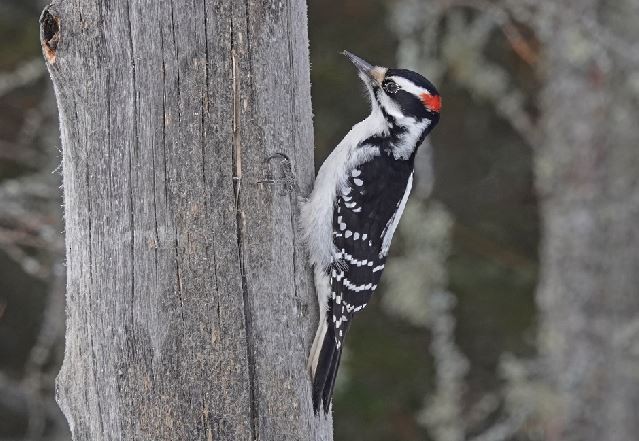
(359, 195)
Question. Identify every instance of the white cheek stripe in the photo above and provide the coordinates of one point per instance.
(390, 106)
(407, 142)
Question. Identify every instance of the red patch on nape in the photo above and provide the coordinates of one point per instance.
(432, 102)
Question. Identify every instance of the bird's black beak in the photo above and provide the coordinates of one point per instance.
(375, 74)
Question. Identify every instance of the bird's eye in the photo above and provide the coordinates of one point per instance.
(390, 87)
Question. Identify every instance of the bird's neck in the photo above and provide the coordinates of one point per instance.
(397, 136)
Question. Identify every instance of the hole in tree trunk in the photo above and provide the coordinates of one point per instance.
(50, 35)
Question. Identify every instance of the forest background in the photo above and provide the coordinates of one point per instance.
(509, 308)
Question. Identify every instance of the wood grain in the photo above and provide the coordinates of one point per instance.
(190, 307)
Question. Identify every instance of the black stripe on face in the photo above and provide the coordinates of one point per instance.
(411, 105)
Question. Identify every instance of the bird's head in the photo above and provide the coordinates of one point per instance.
(399, 94)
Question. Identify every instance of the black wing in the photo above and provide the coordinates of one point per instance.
(362, 216)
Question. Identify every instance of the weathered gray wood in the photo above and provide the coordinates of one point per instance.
(190, 308)
(587, 174)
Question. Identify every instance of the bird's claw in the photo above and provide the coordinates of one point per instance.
(339, 264)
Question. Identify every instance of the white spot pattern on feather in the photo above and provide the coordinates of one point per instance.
(353, 260)
(357, 288)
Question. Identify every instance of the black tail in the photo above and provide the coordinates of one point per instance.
(326, 371)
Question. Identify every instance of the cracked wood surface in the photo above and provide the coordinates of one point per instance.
(190, 307)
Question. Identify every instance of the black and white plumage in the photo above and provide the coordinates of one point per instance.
(357, 201)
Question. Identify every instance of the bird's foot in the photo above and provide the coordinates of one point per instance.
(339, 265)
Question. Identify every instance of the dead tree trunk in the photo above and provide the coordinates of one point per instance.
(189, 303)
(587, 173)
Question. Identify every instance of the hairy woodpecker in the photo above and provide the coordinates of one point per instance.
(358, 198)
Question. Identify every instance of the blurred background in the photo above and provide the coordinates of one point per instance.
(460, 343)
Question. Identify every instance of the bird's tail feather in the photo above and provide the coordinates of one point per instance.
(329, 386)
(326, 370)
(313, 357)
